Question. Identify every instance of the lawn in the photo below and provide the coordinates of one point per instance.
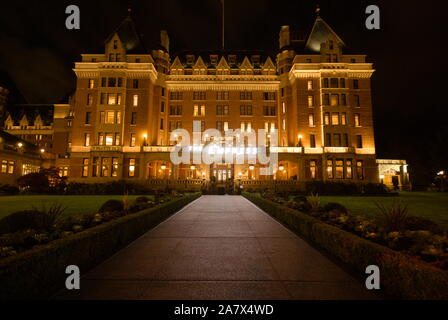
(75, 205)
(431, 205)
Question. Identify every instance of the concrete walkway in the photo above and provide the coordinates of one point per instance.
(218, 247)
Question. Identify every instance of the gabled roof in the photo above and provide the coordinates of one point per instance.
(319, 34)
(31, 112)
(127, 32)
(246, 64)
(222, 64)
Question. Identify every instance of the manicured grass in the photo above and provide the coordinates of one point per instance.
(75, 205)
(431, 205)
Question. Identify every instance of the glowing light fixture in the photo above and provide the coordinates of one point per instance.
(281, 168)
(192, 167)
(251, 168)
(441, 173)
(163, 167)
(20, 144)
(42, 150)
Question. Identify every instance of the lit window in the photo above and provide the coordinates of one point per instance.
(109, 139)
(110, 117)
(118, 117)
(226, 125)
(132, 141)
(11, 166)
(91, 83)
(114, 167)
(310, 101)
(284, 124)
(85, 167)
(135, 100)
(348, 169)
(87, 139)
(327, 118)
(131, 167)
(117, 139)
(360, 169)
(310, 84)
(343, 118)
(330, 169)
(339, 169)
(334, 100)
(4, 166)
(313, 169)
(112, 99)
(311, 120)
(335, 118)
(89, 99)
(357, 120)
(100, 138)
(284, 107)
(105, 167)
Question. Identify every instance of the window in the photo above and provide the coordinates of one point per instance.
(176, 95)
(222, 95)
(162, 107)
(330, 169)
(355, 84)
(89, 99)
(87, 139)
(334, 100)
(161, 124)
(173, 125)
(339, 169)
(131, 167)
(343, 99)
(325, 83)
(348, 169)
(102, 116)
(219, 125)
(345, 140)
(343, 118)
(100, 138)
(313, 169)
(105, 167)
(359, 141)
(85, 167)
(134, 118)
(326, 99)
(342, 83)
(245, 95)
(334, 83)
(246, 126)
(117, 139)
(284, 107)
(110, 117)
(120, 82)
(222, 110)
(284, 124)
(111, 82)
(311, 119)
(135, 100)
(132, 141)
(198, 111)
(269, 111)
(245, 110)
(335, 118)
(199, 95)
(63, 171)
(113, 98)
(360, 169)
(4, 166)
(109, 139)
(310, 101)
(337, 140)
(310, 84)
(114, 167)
(91, 83)
(175, 110)
(357, 120)
(135, 83)
(312, 141)
(163, 92)
(103, 82)
(88, 119)
(328, 139)
(95, 167)
(268, 95)
(327, 118)
(357, 103)
(226, 125)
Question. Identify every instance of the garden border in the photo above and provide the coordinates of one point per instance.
(38, 273)
(402, 277)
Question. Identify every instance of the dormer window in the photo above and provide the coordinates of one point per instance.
(232, 59)
(214, 59)
(190, 59)
(255, 59)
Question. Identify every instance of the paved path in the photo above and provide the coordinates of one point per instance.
(218, 247)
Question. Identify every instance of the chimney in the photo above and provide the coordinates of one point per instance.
(284, 37)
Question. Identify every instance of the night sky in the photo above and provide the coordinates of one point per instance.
(408, 88)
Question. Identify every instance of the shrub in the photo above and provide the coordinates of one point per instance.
(420, 223)
(337, 207)
(393, 217)
(34, 182)
(111, 206)
(142, 199)
(19, 220)
(314, 201)
(7, 190)
(48, 217)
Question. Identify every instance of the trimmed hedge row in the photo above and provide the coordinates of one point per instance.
(401, 276)
(39, 273)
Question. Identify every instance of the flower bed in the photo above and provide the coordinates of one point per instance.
(40, 270)
(402, 275)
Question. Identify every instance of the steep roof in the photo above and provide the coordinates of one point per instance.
(319, 34)
(127, 32)
(31, 112)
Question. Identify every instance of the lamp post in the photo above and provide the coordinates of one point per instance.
(441, 174)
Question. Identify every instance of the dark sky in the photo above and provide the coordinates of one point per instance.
(408, 52)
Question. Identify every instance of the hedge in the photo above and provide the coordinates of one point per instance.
(402, 277)
(40, 272)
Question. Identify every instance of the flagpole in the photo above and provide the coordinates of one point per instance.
(222, 2)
